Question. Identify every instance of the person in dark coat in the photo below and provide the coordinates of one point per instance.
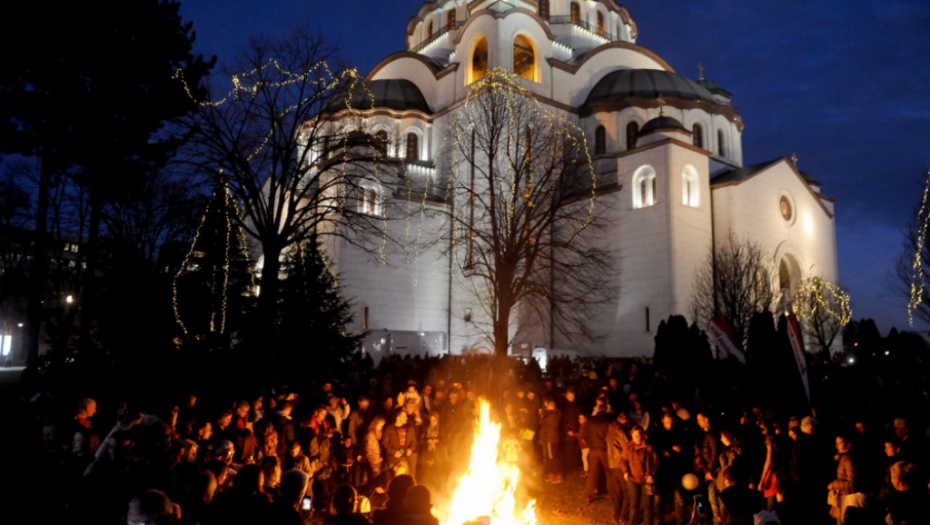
(549, 434)
(618, 437)
(344, 508)
(639, 462)
(571, 453)
(595, 434)
(399, 443)
(418, 507)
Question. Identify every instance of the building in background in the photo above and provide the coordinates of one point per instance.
(668, 147)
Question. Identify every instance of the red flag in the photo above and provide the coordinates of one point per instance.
(794, 334)
(720, 334)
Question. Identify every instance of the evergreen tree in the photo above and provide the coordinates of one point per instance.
(215, 289)
(312, 317)
(682, 353)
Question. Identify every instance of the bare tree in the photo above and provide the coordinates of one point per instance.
(824, 311)
(523, 222)
(274, 136)
(735, 281)
(912, 271)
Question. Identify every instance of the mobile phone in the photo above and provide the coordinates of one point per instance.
(307, 504)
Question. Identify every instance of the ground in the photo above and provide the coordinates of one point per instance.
(565, 504)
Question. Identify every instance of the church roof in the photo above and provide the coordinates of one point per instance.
(741, 174)
(714, 88)
(396, 94)
(647, 83)
(661, 122)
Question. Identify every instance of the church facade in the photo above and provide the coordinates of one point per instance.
(670, 146)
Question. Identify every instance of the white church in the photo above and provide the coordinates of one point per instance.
(673, 145)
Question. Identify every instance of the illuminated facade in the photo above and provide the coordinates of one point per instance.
(669, 146)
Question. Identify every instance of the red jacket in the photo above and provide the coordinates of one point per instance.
(638, 461)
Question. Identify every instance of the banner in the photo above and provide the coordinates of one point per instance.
(720, 334)
(794, 334)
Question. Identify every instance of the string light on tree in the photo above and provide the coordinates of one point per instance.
(815, 293)
(918, 270)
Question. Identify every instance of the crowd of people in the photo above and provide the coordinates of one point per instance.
(378, 444)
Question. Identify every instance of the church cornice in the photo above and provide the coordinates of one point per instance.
(500, 16)
(564, 66)
(660, 143)
(436, 71)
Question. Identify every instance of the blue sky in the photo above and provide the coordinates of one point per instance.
(844, 84)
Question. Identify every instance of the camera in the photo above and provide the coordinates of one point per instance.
(306, 504)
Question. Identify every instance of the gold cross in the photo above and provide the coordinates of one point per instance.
(701, 69)
(661, 102)
(794, 159)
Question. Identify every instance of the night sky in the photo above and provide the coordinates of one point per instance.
(845, 84)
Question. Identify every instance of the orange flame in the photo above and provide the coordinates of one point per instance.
(486, 490)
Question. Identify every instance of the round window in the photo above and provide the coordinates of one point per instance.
(784, 205)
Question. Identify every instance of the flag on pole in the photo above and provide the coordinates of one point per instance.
(794, 334)
(721, 335)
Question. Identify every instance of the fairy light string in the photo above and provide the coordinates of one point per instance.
(815, 293)
(918, 271)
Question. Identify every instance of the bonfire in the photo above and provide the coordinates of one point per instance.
(486, 492)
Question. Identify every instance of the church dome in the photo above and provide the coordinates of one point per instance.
(714, 88)
(396, 94)
(648, 84)
(661, 122)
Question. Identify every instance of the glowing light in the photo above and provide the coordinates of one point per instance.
(918, 272)
(487, 489)
(815, 293)
(69, 299)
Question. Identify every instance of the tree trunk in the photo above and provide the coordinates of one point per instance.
(39, 267)
(502, 329)
(89, 281)
(270, 291)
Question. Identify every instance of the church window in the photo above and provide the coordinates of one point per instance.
(600, 141)
(648, 327)
(645, 189)
(721, 143)
(690, 191)
(600, 23)
(524, 58)
(451, 19)
(413, 146)
(479, 60)
(632, 129)
(365, 319)
(575, 13)
(697, 136)
(429, 29)
(368, 201)
(544, 10)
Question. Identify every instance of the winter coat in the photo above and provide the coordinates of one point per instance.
(639, 462)
(617, 440)
(551, 425)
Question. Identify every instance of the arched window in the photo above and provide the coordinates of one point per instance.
(644, 187)
(600, 23)
(369, 202)
(413, 146)
(721, 145)
(576, 12)
(429, 30)
(697, 136)
(450, 19)
(381, 142)
(479, 60)
(690, 191)
(600, 141)
(632, 129)
(524, 58)
(543, 10)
